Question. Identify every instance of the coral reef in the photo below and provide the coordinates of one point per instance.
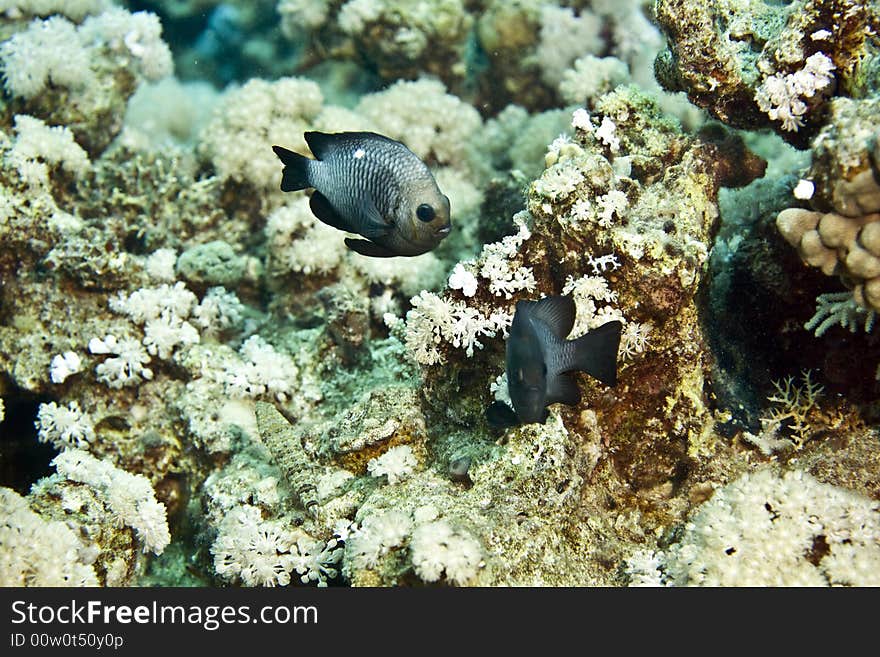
(655, 210)
(843, 182)
(767, 530)
(199, 383)
(753, 64)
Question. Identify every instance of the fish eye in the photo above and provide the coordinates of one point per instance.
(425, 212)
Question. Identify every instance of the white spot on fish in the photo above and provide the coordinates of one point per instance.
(359, 153)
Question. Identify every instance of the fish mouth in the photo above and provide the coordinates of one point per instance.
(443, 232)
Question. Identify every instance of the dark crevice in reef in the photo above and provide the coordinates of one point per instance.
(754, 305)
(23, 459)
(748, 308)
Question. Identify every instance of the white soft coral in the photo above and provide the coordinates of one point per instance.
(253, 550)
(40, 148)
(434, 319)
(130, 496)
(436, 548)
(397, 464)
(128, 362)
(782, 97)
(39, 552)
(261, 370)
(64, 426)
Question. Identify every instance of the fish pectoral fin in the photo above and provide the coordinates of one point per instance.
(371, 249)
(563, 389)
(322, 209)
(373, 225)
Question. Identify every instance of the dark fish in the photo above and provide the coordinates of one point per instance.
(501, 416)
(371, 185)
(540, 359)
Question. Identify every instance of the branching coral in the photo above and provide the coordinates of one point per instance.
(841, 309)
(793, 405)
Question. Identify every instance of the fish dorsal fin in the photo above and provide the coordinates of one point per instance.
(562, 388)
(557, 312)
(322, 209)
(369, 248)
(322, 143)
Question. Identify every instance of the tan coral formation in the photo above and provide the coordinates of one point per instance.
(659, 417)
(842, 235)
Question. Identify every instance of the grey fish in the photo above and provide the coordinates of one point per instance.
(540, 359)
(373, 186)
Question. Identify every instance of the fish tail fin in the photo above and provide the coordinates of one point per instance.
(596, 352)
(295, 175)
